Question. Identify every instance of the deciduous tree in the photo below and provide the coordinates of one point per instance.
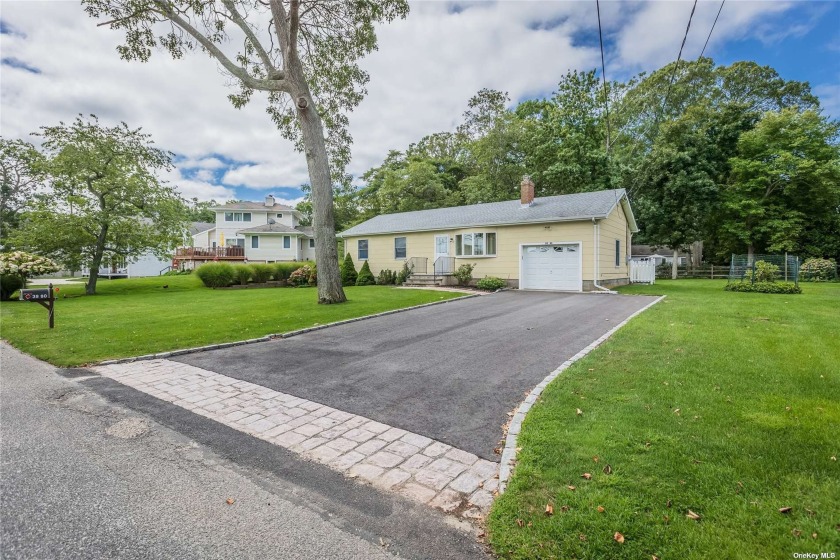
(21, 173)
(302, 53)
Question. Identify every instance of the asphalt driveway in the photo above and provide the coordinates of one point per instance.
(451, 372)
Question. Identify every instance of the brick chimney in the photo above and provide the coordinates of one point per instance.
(526, 188)
(269, 200)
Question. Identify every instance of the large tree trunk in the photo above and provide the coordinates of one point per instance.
(675, 264)
(323, 214)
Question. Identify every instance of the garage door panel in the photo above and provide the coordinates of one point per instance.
(551, 267)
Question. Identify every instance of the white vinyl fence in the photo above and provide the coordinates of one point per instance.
(643, 271)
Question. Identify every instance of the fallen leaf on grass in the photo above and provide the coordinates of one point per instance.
(601, 509)
(572, 488)
(520, 523)
(230, 501)
(692, 515)
(796, 533)
(618, 537)
(582, 537)
(586, 475)
(549, 509)
(579, 412)
(813, 535)
(786, 509)
(668, 503)
(677, 411)
(564, 508)
(595, 458)
(608, 470)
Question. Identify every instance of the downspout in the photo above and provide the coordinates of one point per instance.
(596, 236)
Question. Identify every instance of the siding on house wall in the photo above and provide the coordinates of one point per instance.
(271, 249)
(508, 240)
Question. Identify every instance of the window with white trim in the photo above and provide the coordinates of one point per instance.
(399, 248)
(311, 243)
(287, 241)
(237, 216)
(363, 250)
(478, 244)
(255, 242)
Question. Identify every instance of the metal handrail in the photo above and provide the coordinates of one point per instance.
(447, 266)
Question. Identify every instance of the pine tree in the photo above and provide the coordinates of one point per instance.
(365, 276)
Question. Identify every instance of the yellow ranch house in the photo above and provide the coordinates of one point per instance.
(574, 242)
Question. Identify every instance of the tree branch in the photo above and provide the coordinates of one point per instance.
(215, 52)
(294, 22)
(237, 18)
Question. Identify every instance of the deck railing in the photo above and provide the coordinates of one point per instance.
(209, 253)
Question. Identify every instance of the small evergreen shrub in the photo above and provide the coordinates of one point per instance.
(261, 272)
(464, 274)
(386, 277)
(365, 277)
(818, 270)
(405, 273)
(764, 287)
(348, 271)
(216, 275)
(241, 273)
(490, 283)
(9, 284)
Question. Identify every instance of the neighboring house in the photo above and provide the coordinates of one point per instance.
(145, 265)
(660, 254)
(249, 232)
(575, 242)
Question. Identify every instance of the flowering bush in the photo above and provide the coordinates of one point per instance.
(817, 270)
(25, 265)
(301, 276)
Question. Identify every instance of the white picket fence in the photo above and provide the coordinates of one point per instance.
(643, 271)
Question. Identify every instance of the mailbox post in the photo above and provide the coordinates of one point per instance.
(43, 297)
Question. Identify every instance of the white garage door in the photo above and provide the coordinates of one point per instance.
(551, 267)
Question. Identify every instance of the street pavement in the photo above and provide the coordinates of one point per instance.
(92, 468)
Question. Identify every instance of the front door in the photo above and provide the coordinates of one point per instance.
(442, 262)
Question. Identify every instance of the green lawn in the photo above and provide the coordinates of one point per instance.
(725, 404)
(138, 316)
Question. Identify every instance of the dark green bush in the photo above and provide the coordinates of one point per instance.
(764, 287)
(9, 284)
(464, 274)
(405, 273)
(365, 277)
(241, 273)
(348, 271)
(490, 283)
(261, 272)
(386, 277)
(216, 274)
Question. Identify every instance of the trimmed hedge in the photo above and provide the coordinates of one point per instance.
(764, 287)
(216, 275)
(490, 283)
(365, 277)
(241, 273)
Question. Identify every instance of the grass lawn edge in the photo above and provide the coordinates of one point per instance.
(508, 460)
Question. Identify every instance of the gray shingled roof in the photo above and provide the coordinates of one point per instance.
(198, 227)
(254, 206)
(579, 206)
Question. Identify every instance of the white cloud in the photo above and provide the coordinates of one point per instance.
(829, 95)
(425, 70)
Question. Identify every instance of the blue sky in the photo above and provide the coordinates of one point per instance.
(56, 64)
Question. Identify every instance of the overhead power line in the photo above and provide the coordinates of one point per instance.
(604, 76)
(679, 57)
(712, 29)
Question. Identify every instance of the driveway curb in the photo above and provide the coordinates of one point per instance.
(508, 460)
(266, 338)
